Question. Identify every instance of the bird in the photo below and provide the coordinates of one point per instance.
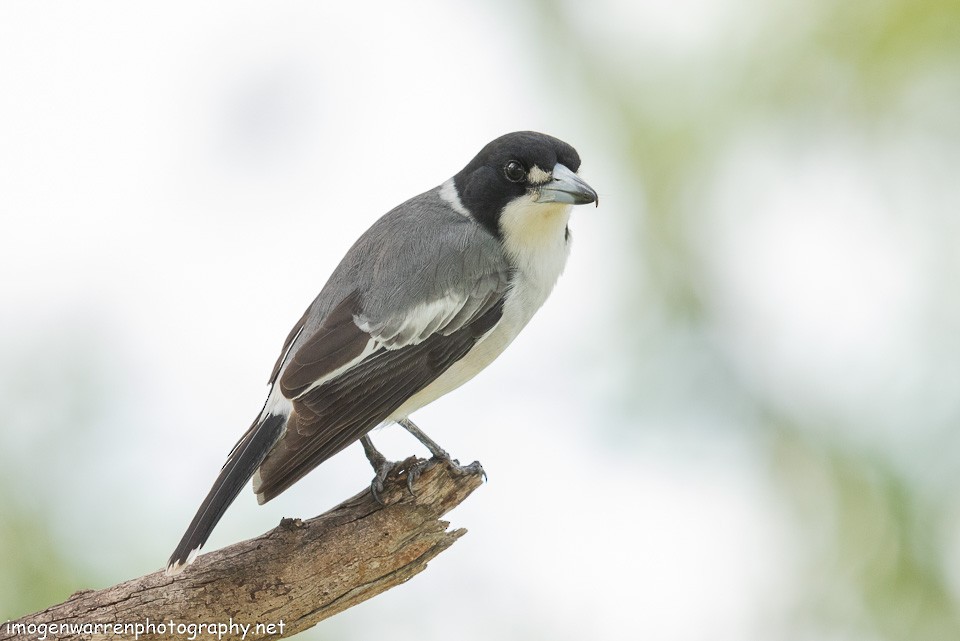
(425, 299)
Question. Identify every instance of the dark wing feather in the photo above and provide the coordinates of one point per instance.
(336, 343)
(287, 344)
(328, 418)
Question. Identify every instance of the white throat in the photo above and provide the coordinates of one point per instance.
(536, 238)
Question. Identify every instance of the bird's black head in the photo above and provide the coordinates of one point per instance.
(523, 164)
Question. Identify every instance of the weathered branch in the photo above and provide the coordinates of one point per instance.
(299, 573)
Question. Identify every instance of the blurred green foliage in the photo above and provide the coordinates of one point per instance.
(36, 572)
(51, 409)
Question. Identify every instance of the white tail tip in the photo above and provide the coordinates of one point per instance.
(178, 566)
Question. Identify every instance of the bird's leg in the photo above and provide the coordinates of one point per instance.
(438, 453)
(381, 467)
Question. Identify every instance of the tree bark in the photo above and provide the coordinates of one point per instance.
(284, 581)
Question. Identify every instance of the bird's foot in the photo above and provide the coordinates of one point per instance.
(421, 466)
(438, 455)
(381, 468)
(376, 485)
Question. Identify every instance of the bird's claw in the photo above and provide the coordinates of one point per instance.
(453, 465)
(419, 468)
(473, 468)
(383, 470)
(376, 489)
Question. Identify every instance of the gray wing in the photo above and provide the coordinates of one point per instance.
(411, 298)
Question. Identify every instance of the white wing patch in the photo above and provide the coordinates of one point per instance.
(417, 325)
(444, 315)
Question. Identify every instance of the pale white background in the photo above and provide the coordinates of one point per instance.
(177, 180)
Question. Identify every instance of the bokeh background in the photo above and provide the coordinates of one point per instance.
(736, 418)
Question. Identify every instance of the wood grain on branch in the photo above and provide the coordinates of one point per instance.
(299, 573)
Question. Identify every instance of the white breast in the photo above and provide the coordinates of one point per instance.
(535, 237)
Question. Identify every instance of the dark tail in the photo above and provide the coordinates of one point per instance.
(243, 461)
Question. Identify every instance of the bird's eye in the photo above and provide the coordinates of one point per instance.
(514, 171)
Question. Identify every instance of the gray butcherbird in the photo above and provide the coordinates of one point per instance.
(427, 297)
